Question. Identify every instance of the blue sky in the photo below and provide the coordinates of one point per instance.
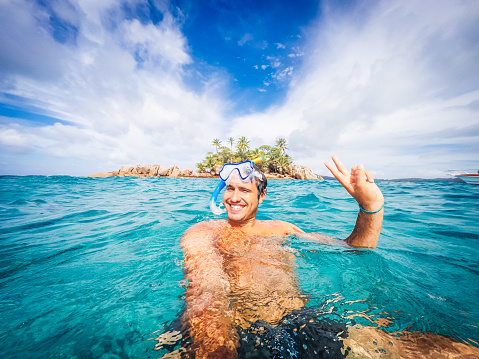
(90, 86)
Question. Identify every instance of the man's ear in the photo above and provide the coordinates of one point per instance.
(261, 197)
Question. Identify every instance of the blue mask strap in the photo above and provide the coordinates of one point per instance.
(214, 208)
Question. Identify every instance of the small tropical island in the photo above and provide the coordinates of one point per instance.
(277, 163)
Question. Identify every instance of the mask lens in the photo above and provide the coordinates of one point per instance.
(244, 170)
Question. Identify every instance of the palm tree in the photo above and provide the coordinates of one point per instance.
(201, 167)
(281, 145)
(224, 156)
(217, 143)
(265, 148)
(242, 146)
(274, 156)
(283, 164)
(231, 141)
(209, 163)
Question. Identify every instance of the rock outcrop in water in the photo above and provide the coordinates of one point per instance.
(294, 172)
(302, 172)
(152, 171)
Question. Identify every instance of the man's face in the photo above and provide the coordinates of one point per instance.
(241, 200)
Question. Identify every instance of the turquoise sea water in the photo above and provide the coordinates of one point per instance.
(91, 268)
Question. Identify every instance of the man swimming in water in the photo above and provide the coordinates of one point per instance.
(238, 275)
(240, 278)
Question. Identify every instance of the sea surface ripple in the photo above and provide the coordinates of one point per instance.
(91, 267)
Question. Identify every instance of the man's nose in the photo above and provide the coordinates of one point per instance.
(236, 196)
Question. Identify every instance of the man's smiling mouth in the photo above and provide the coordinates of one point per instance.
(236, 207)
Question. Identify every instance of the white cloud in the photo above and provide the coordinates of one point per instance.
(275, 62)
(264, 67)
(156, 45)
(262, 44)
(26, 49)
(297, 52)
(245, 39)
(66, 11)
(283, 74)
(396, 90)
(14, 141)
(121, 91)
(280, 46)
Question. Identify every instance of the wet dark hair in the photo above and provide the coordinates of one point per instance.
(260, 183)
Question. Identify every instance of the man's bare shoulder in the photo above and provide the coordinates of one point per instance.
(199, 236)
(205, 226)
(276, 228)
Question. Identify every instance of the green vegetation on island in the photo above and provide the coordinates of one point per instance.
(276, 160)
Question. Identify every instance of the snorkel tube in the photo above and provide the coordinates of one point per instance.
(217, 209)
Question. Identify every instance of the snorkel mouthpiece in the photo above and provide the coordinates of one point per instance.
(245, 170)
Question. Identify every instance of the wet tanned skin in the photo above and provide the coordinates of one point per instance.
(263, 285)
(235, 278)
(262, 281)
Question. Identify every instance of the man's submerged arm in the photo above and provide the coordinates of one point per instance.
(367, 229)
(208, 315)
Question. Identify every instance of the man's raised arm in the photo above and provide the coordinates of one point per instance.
(207, 316)
(360, 185)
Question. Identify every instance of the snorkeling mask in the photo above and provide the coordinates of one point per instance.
(244, 169)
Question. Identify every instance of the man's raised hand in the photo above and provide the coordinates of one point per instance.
(359, 184)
